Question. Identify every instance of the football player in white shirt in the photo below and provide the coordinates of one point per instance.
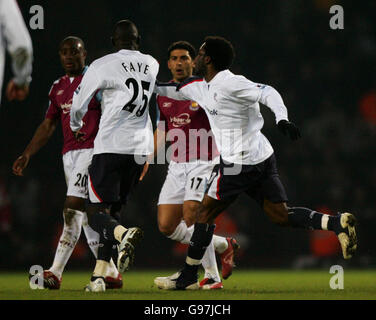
(247, 161)
(124, 139)
(15, 37)
(180, 194)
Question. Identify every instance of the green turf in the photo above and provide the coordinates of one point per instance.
(243, 285)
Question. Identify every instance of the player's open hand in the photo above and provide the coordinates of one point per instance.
(289, 129)
(15, 92)
(20, 164)
(144, 170)
(80, 136)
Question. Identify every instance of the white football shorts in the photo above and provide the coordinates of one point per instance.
(186, 181)
(76, 164)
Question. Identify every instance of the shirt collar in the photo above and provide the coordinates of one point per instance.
(85, 69)
(127, 51)
(221, 75)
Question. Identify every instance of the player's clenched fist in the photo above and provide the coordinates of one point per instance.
(20, 164)
(15, 92)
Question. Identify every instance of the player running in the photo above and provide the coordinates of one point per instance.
(76, 159)
(247, 162)
(190, 167)
(124, 139)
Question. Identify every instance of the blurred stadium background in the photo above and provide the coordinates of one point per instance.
(326, 77)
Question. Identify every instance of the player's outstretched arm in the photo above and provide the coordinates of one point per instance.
(289, 129)
(40, 138)
(20, 48)
(16, 92)
(81, 98)
(169, 89)
(271, 98)
(251, 92)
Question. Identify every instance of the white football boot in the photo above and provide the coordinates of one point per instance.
(126, 248)
(347, 235)
(167, 283)
(98, 285)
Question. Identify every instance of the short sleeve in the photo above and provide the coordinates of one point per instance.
(53, 111)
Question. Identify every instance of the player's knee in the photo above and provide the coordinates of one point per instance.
(203, 214)
(276, 213)
(190, 211)
(74, 203)
(69, 216)
(166, 228)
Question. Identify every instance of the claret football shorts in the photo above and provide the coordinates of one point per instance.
(260, 181)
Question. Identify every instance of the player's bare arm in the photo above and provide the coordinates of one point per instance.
(40, 138)
(159, 139)
(16, 92)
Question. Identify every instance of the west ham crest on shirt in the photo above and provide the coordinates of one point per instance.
(194, 106)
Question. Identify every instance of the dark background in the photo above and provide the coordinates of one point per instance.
(326, 78)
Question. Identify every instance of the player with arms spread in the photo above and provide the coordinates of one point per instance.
(186, 125)
(247, 162)
(125, 137)
(76, 159)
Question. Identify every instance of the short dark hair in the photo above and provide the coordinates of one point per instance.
(125, 35)
(185, 45)
(71, 38)
(220, 51)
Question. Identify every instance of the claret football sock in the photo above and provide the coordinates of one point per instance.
(299, 217)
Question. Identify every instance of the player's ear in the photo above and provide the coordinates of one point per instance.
(207, 60)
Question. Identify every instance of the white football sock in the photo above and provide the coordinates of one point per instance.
(119, 232)
(92, 238)
(180, 233)
(100, 268)
(220, 244)
(68, 239)
(209, 263)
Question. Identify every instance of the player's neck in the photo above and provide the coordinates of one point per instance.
(181, 80)
(75, 73)
(126, 46)
(210, 74)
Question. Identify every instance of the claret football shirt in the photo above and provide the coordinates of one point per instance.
(60, 103)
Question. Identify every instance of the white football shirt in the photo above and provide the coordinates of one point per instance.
(231, 103)
(126, 79)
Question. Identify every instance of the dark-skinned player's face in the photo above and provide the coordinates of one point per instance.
(72, 56)
(199, 63)
(180, 64)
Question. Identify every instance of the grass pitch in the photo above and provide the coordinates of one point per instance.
(242, 285)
